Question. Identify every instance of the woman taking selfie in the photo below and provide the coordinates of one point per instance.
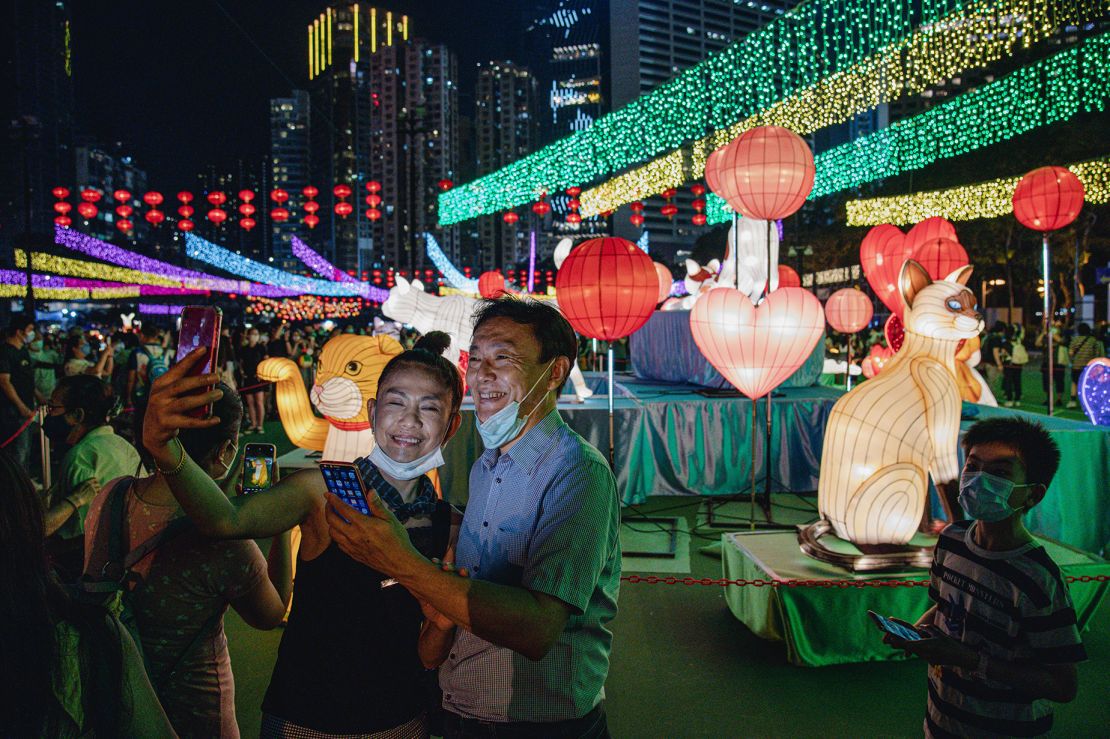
(349, 661)
(189, 580)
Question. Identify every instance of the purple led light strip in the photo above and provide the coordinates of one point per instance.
(321, 266)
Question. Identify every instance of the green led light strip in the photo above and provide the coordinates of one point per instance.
(809, 43)
(1073, 81)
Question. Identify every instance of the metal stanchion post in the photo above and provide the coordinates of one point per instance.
(44, 448)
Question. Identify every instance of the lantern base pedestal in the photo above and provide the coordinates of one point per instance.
(861, 558)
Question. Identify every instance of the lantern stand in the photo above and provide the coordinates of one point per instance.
(610, 357)
(848, 368)
(1048, 322)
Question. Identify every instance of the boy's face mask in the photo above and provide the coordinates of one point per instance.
(987, 497)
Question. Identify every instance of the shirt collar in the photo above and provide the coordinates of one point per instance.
(525, 453)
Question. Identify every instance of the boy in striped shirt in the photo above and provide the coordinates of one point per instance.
(1001, 638)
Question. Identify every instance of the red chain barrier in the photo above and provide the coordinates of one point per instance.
(253, 387)
(14, 436)
(722, 582)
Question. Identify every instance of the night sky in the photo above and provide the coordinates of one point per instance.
(182, 87)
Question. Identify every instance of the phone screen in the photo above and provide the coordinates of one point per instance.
(895, 628)
(344, 482)
(258, 467)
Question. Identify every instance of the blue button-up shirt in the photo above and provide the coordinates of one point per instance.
(543, 516)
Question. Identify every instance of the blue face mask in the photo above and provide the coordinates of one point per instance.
(986, 497)
(505, 425)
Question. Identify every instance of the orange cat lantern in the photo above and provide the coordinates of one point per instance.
(346, 380)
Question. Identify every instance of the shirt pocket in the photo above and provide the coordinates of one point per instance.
(513, 546)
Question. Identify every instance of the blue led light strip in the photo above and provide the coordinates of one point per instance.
(454, 277)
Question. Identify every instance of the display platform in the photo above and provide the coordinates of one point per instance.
(828, 626)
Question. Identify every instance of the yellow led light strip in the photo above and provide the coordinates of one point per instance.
(931, 55)
(373, 30)
(329, 36)
(311, 56)
(983, 200)
(45, 293)
(91, 270)
(354, 10)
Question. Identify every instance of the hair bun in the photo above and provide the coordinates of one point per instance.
(434, 342)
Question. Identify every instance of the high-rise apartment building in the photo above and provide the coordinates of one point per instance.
(290, 170)
(506, 129)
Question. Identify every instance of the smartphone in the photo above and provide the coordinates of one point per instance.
(200, 327)
(894, 628)
(258, 467)
(344, 482)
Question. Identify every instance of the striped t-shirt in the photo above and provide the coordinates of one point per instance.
(1013, 605)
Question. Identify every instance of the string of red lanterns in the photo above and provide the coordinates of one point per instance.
(185, 211)
(217, 214)
(698, 204)
(311, 206)
(637, 217)
(280, 213)
(541, 207)
(343, 208)
(373, 200)
(62, 207)
(247, 210)
(573, 205)
(670, 210)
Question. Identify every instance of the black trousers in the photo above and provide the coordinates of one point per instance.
(591, 726)
(1011, 382)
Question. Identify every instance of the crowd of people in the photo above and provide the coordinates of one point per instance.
(418, 618)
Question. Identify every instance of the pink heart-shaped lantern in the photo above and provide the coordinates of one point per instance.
(757, 348)
(927, 230)
(881, 254)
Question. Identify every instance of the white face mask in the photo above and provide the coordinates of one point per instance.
(505, 425)
(406, 470)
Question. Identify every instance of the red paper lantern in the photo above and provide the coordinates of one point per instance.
(216, 198)
(541, 208)
(279, 196)
(154, 216)
(124, 225)
(636, 207)
(756, 348)
(186, 225)
(185, 196)
(122, 196)
(698, 205)
(62, 207)
(373, 214)
(445, 184)
(87, 210)
(341, 191)
(665, 281)
(373, 186)
(1048, 198)
(574, 204)
(636, 219)
(343, 209)
(63, 221)
(669, 210)
(882, 253)
(311, 220)
(873, 363)
(574, 191)
(310, 206)
(186, 211)
(90, 195)
(279, 214)
(698, 219)
(246, 209)
(217, 216)
(574, 218)
(669, 193)
(124, 211)
(247, 223)
(153, 198)
(491, 284)
(246, 195)
(940, 257)
(310, 192)
(373, 200)
(767, 172)
(510, 217)
(698, 189)
(60, 193)
(607, 288)
(788, 277)
(848, 310)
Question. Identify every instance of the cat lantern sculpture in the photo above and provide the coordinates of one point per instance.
(346, 380)
(885, 438)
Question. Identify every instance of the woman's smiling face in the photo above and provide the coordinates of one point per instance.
(412, 414)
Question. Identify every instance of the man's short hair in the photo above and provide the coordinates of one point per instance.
(552, 331)
(1036, 449)
(17, 323)
(150, 331)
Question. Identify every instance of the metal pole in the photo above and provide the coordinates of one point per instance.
(531, 261)
(611, 462)
(848, 369)
(751, 515)
(767, 461)
(1048, 324)
(44, 448)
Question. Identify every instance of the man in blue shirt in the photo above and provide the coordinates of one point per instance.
(539, 546)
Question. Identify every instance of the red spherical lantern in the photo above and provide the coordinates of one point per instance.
(788, 277)
(60, 193)
(491, 284)
(90, 195)
(124, 211)
(1048, 198)
(607, 288)
(373, 214)
(541, 208)
(87, 210)
(574, 203)
(882, 253)
(574, 218)
(666, 280)
(153, 198)
(445, 184)
(122, 196)
(154, 216)
(767, 172)
(940, 257)
(698, 219)
(341, 191)
(574, 191)
(636, 219)
(279, 196)
(311, 220)
(848, 310)
(124, 225)
(246, 209)
(217, 216)
(343, 209)
(373, 200)
(510, 217)
(310, 206)
(698, 205)
(186, 211)
(247, 223)
(279, 214)
(698, 189)
(63, 221)
(62, 207)
(216, 198)
(186, 225)
(636, 207)
(669, 210)
(373, 186)
(310, 192)
(669, 193)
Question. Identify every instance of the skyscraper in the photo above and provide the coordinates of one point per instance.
(506, 130)
(290, 170)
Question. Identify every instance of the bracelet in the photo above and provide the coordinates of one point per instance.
(178, 467)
